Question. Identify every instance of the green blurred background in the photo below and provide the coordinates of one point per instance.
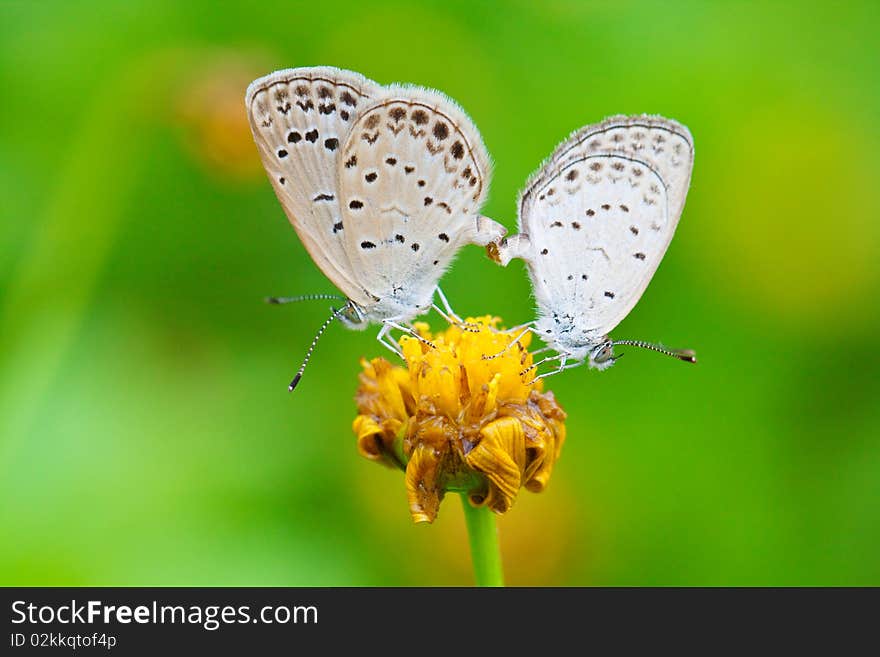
(147, 434)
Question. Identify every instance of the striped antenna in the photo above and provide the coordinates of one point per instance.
(305, 297)
(336, 313)
(687, 355)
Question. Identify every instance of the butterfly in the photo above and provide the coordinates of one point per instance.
(382, 184)
(594, 223)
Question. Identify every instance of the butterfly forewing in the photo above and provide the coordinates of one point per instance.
(300, 119)
(413, 175)
(596, 239)
(664, 144)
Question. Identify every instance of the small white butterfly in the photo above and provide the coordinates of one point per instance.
(383, 185)
(595, 220)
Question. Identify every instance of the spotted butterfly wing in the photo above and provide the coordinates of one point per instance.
(596, 220)
(413, 175)
(663, 143)
(300, 118)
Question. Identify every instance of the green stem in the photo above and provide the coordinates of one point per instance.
(483, 536)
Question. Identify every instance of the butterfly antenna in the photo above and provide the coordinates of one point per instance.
(327, 322)
(305, 297)
(687, 355)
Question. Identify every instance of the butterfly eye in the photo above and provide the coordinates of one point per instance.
(603, 353)
(350, 315)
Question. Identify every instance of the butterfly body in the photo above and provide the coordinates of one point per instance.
(383, 185)
(595, 222)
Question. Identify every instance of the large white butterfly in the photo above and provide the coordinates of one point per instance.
(595, 220)
(382, 184)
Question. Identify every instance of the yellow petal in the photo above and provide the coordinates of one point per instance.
(422, 487)
(500, 456)
(375, 440)
(438, 380)
(389, 390)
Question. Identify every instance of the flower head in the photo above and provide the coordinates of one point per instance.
(456, 421)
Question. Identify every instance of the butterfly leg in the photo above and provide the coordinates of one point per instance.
(562, 366)
(385, 340)
(450, 316)
(409, 331)
(525, 329)
(537, 364)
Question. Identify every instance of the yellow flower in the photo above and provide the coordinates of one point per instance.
(456, 421)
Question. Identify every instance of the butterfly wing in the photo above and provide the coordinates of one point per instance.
(413, 176)
(300, 118)
(598, 217)
(663, 143)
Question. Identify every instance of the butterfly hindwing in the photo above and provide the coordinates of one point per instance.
(300, 119)
(413, 175)
(596, 239)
